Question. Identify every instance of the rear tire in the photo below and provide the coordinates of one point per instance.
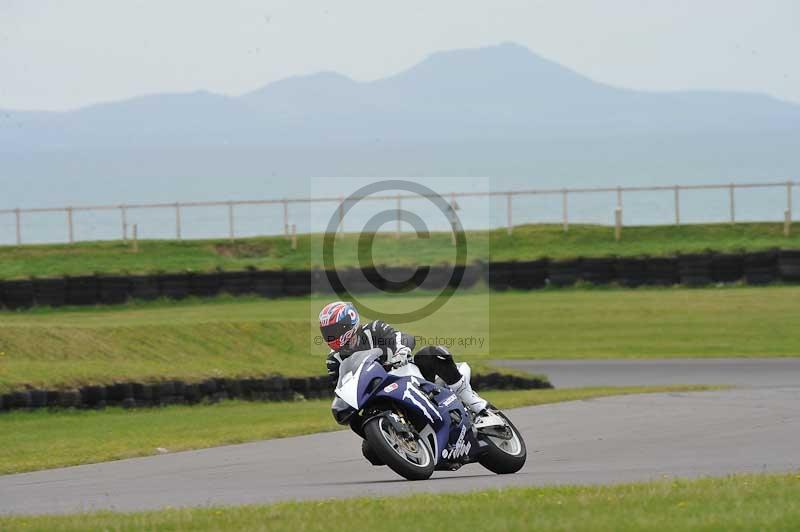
(412, 462)
(504, 457)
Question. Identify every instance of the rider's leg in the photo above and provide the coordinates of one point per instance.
(437, 360)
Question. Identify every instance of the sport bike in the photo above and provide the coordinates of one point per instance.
(415, 426)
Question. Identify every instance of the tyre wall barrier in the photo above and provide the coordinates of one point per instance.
(597, 271)
(631, 272)
(144, 287)
(498, 275)
(272, 388)
(113, 289)
(206, 285)
(469, 276)
(50, 292)
(761, 268)
(174, 286)
(662, 271)
(727, 267)
(789, 265)
(268, 283)
(564, 272)
(82, 291)
(695, 269)
(16, 294)
(529, 275)
(235, 283)
(698, 269)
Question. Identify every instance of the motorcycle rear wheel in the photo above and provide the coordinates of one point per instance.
(412, 460)
(504, 457)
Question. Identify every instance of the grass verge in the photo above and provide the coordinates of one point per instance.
(527, 242)
(742, 502)
(44, 440)
(245, 337)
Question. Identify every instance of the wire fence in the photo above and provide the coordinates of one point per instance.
(644, 205)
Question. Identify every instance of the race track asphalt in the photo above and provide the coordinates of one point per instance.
(749, 372)
(608, 440)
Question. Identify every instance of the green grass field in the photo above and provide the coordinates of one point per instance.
(43, 440)
(745, 502)
(192, 340)
(529, 241)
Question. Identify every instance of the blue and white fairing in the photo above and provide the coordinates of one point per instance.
(435, 411)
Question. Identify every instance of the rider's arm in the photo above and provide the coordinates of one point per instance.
(333, 362)
(390, 339)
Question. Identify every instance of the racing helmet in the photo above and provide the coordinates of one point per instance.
(338, 322)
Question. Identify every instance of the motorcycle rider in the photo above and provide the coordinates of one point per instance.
(341, 329)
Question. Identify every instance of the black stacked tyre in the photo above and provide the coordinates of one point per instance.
(82, 291)
(789, 265)
(727, 267)
(236, 283)
(761, 268)
(662, 271)
(50, 292)
(695, 269)
(17, 294)
(205, 284)
(529, 275)
(499, 275)
(631, 271)
(113, 289)
(564, 272)
(268, 283)
(597, 271)
(174, 286)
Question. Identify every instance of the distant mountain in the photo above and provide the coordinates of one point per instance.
(500, 111)
(500, 93)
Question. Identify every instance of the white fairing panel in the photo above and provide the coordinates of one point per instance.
(349, 374)
(409, 370)
(348, 388)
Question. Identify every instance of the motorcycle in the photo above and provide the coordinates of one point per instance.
(416, 427)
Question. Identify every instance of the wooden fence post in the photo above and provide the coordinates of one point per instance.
(399, 221)
(510, 221)
(69, 225)
(18, 217)
(286, 218)
(124, 216)
(178, 221)
(787, 223)
(231, 228)
(341, 215)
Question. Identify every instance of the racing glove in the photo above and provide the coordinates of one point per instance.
(400, 358)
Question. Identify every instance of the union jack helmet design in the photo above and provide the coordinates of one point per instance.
(338, 322)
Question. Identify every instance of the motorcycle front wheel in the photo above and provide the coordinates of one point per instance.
(407, 455)
(504, 456)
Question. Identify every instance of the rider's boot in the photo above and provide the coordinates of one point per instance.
(474, 402)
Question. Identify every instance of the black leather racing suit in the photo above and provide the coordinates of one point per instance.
(431, 360)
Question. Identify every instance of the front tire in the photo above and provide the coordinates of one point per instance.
(504, 457)
(412, 459)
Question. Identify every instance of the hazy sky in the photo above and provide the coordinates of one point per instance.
(57, 54)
